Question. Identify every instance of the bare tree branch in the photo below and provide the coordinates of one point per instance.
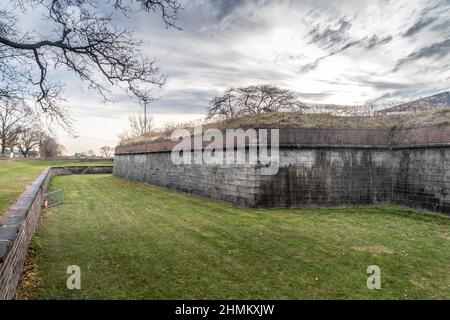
(84, 42)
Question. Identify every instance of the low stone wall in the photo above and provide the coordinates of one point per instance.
(18, 224)
(16, 229)
(62, 171)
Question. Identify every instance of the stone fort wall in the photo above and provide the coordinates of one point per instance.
(318, 167)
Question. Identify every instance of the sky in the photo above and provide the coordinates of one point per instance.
(338, 52)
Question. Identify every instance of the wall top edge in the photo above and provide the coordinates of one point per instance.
(325, 138)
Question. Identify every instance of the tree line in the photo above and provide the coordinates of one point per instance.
(21, 129)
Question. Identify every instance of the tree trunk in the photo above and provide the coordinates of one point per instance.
(3, 146)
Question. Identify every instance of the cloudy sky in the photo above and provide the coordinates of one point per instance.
(340, 52)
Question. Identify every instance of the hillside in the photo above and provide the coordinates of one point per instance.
(441, 100)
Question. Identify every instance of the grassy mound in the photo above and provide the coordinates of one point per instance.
(284, 120)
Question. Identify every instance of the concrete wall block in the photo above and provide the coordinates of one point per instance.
(309, 176)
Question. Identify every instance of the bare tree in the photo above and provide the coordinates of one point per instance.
(90, 153)
(237, 102)
(106, 151)
(29, 139)
(226, 106)
(50, 148)
(82, 41)
(138, 125)
(15, 116)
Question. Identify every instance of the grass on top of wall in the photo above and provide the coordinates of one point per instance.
(137, 241)
(280, 120)
(16, 175)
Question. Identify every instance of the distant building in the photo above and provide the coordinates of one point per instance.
(16, 154)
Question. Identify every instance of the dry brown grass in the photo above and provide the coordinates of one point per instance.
(283, 120)
(439, 117)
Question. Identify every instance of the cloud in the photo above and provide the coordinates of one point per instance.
(380, 84)
(436, 50)
(313, 65)
(331, 35)
(317, 96)
(419, 25)
(443, 27)
(376, 41)
(228, 14)
(336, 37)
(226, 7)
(310, 66)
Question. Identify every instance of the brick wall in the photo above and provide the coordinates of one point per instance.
(424, 135)
(18, 224)
(16, 229)
(288, 137)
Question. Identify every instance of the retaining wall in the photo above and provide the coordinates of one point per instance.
(318, 167)
(18, 224)
(232, 183)
(318, 176)
(421, 177)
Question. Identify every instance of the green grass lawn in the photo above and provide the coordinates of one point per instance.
(136, 241)
(15, 175)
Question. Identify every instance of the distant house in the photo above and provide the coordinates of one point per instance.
(13, 154)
